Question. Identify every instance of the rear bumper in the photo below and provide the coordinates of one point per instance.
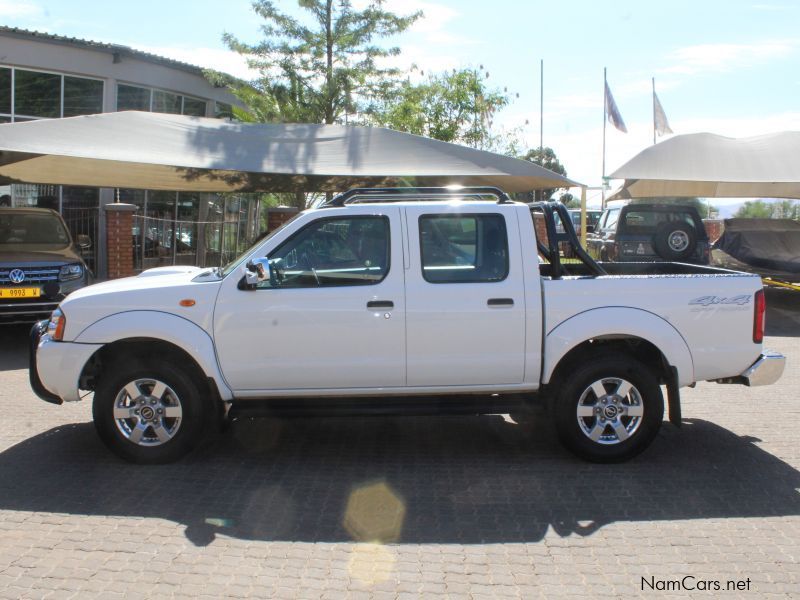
(766, 370)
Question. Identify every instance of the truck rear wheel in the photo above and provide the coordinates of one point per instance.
(609, 409)
(149, 412)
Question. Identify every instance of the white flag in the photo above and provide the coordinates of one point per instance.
(660, 117)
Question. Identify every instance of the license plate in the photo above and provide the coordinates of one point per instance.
(22, 292)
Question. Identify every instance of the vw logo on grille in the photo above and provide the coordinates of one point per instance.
(17, 276)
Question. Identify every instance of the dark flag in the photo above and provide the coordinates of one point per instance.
(612, 112)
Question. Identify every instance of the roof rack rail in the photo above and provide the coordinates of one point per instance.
(416, 194)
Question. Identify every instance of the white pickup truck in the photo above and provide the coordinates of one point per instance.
(411, 301)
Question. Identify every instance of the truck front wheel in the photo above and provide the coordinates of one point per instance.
(149, 412)
(609, 409)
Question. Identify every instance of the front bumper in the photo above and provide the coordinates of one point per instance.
(766, 370)
(33, 373)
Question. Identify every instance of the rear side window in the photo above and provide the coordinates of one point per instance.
(649, 220)
(463, 248)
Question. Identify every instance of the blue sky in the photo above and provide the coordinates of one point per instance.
(728, 67)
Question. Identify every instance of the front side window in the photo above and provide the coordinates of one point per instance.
(332, 252)
(463, 248)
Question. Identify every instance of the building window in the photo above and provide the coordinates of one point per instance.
(130, 97)
(82, 96)
(5, 91)
(194, 107)
(223, 110)
(164, 102)
(37, 94)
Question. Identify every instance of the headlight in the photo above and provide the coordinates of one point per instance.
(56, 325)
(69, 272)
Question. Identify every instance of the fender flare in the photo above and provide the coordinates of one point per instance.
(160, 326)
(618, 321)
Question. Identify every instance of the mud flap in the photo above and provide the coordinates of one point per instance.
(674, 397)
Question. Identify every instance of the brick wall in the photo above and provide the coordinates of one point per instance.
(119, 239)
(278, 216)
(541, 228)
(714, 228)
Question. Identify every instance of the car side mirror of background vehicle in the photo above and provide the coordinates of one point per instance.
(84, 241)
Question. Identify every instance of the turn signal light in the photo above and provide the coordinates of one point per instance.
(187, 302)
(759, 317)
(56, 325)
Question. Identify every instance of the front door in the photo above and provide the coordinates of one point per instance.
(332, 314)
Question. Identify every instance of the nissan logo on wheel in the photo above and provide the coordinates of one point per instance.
(17, 276)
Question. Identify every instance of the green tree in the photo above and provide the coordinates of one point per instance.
(545, 157)
(759, 209)
(317, 69)
(454, 106)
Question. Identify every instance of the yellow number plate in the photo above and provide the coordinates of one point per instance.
(21, 292)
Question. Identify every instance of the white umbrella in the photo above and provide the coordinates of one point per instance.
(172, 152)
(712, 166)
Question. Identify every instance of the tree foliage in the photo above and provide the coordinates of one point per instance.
(317, 68)
(454, 106)
(778, 209)
(545, 157)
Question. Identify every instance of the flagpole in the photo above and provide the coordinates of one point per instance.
(605, 112)
(654, 110)
(541, 103)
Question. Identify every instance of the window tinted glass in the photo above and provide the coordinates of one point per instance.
(82, 96)
(650, 220)
(130, 97)
(37, 94)
(19, 229)
(164, 102)
(463, 248)
(5, 91)
(333, 252)
(194, 108)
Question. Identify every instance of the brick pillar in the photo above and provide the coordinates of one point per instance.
(119, 239)
(279, 215)
(714, 228)
(541, 227)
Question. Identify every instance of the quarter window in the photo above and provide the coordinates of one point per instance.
(333, 252)
(463, 248)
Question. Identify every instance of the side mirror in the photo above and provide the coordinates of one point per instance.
(84, 241)
(256, 271)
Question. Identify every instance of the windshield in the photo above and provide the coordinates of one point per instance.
(32, 229)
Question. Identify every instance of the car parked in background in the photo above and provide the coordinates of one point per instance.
(39, 263)
(644, 232)
(592, 218)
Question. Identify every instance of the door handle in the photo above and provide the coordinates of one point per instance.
(380, 304)
(500, 302)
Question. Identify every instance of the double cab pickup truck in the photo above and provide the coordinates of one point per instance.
(403, 301)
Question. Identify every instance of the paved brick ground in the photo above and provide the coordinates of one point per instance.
(396, 508)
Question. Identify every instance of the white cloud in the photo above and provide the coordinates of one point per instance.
(20, 9)
(703, 58)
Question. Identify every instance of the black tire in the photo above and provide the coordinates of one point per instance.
(675, 240)
(196, 412)
(576, 389)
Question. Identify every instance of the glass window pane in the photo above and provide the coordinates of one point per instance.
(37, 94)
(186, 228)
(5, 91)
(193, 107)
(333, 252)
(82, 96)
(223, 111)
(164, 102)
(132, 98)
(463, 248)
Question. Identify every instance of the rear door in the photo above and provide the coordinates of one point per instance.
(465, 302)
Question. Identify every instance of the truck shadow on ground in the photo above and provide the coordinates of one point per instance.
(409, 480)
(14, 341)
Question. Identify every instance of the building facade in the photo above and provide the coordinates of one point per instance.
(44, 76)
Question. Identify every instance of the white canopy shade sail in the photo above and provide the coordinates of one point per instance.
(712, 166)
(172, 152)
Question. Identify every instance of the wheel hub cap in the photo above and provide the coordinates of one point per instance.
(678, 241)
(148, 412)
(610, 411)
